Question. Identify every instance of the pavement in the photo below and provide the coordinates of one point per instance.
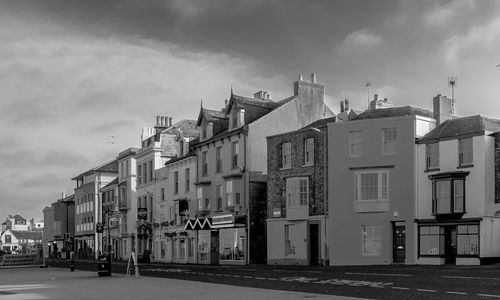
(58, 283)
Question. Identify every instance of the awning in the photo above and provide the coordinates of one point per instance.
(198, 224)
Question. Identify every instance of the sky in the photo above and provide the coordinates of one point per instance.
(74, 73)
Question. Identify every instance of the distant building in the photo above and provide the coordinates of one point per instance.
(20, 241)
(16, 222)
(88, 208)
(111, 219)
(48, 232)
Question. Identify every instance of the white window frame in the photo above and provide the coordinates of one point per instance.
(229, 187)
(432, 158)
(296, 196)
(382, 185)
(286, 155)
(465, 156)
(309, 152)
(389, 138)
(371, 244)
(356, 143)
(199, 197)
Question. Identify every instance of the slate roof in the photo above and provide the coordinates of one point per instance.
(27, 235)
(211, 115)
(186, 127)
(266, 103)
(471, 125)
(348, 114)
(320, 123)
(394, 112)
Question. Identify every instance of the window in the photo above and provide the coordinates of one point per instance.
(371, 185)
(432, 156)
(176, 182)
(188, 179)
(372, 239)
(309, 151)
(235, 150)
(162, 194)
(465, 152)
(356, 143)
(286, 155)
(431, 240)
(150, 171)
(145, 171)
(468, 240)
(289, 246)
(389, 140)
(218, 159)
(235, 119)
(218, 189)
(199, 197)
(204, 164)
(297, 191)
(127, 169)
(139, 175)
(204, 132)
(229, 194)
(8, 239)
(448, 196)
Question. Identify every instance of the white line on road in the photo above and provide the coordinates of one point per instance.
(487, 295)
(261, 278)
(455, 293)
(471, 277)
(227, 275)
(269, 278)
(22, 297)
(399, 288)
(424, 290)
(378, 274)
(236, 276)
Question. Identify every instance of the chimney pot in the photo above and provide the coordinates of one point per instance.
(313, 78)
(346, 106)
(300, 77)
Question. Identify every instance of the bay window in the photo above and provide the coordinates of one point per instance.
(448, 196)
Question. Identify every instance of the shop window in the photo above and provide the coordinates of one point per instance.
(468, 240)
(431, 240)
(289, 245)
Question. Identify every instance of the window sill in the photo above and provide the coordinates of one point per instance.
(465, 166)
(308, 165)
(432, 170)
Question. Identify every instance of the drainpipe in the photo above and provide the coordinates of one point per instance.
(245, 188)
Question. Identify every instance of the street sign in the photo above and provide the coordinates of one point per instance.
(99, 228)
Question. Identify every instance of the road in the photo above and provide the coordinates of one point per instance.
(373, 282)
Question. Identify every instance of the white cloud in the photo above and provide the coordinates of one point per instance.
(441, 15)
(478, 41)
(358, 41)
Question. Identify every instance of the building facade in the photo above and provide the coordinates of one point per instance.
(127, 201)
(297, 196)
(63, 229)
(458, 214)
(232, 166)
(372, 187)
(88, 208)
(111, 233)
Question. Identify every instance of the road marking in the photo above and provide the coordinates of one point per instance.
(455, 293)
(378, 274)
(424, 290)
(487, 295)
(261, 278)
(304, 271)
(227, 275)
(22, 297)
(236, 276)
(471, 277)
(399, 288)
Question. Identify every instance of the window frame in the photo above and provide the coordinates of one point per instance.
(294, 193)
(461, 152)
(204, 163)
(308, 146)
(386, 141)
(382, 189)
(235, 151)
(353, 151)
(218, 159)
(452, 194)
(286, 155)
(364, 239)
(428, 156)
(288, 238)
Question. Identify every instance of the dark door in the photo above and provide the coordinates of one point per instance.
(313, 244)
(450, 244)
(399, 244)
(214, 247)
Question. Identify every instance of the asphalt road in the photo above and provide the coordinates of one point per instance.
(374, 282)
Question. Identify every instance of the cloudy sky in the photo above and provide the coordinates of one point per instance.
(73, 73)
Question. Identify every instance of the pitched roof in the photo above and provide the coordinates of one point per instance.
(244, 101)
(349, 114)
(394, 112)
(211, 115)
(113, 182)
(187, 128)
(27, 235)
(110, 166)
(320, 123)
(471, 125)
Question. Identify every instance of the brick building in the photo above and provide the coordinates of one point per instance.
(296, 194)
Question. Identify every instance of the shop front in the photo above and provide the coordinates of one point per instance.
(232, 244)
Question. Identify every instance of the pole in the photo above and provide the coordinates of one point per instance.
(109, 239)
(325, 198)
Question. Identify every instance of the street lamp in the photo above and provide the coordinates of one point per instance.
(325, 199)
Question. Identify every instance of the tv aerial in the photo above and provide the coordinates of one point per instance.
(452, 82)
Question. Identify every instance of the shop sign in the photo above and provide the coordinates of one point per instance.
(142, 213)
(223, 219)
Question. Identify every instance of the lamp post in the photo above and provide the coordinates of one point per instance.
(325, 199)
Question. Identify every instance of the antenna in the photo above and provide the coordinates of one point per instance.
(452, 82)
(368, 86)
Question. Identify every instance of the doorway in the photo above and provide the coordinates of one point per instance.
(314, 244)
(399, 243)
(450, 244)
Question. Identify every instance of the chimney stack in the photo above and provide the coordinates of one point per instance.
(170, 121)
(300, 77)
(375, 97)
(443, 108)
(346, 106)
(158, 120)
(313, 78)
(342, 106)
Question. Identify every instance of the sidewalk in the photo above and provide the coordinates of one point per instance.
(55, 283)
